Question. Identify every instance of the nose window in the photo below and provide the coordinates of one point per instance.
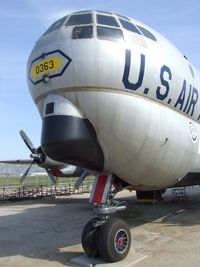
(106, 33)
(56, 25)
(79, 19)
(107, 20)
(147, 33)
(129, 26)
(82, 32)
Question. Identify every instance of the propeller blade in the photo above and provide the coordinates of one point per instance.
(26, 172)
(27, 141)
(52, 178)
(81, 179)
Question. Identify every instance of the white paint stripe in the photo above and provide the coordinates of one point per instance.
(132, 259)
(85, 261)
(106, 189)
(137, 261)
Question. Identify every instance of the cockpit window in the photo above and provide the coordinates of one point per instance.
(79, 19)
(82, 32)
(123, 17)
(129, 26)
(107, 20)
(106, 33)
(56, 25)
(147, 33)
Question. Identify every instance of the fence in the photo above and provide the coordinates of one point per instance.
(41, 191)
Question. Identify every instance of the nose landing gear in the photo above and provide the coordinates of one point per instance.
(104, 235)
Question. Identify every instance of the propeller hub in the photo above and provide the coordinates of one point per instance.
(37, 157)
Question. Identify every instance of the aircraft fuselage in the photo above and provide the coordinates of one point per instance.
(127, 106)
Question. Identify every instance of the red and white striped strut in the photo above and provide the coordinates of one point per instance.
(100, 189)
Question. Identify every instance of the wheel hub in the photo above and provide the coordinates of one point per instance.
(121, 241)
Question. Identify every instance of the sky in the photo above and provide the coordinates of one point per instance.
(22, 22)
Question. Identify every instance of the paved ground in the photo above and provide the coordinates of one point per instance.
(47, 232)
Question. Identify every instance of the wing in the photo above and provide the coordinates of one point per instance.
(18, 161)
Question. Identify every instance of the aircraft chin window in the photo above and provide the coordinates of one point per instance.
(56, 25)
(147, 33)
(82, 32)
(109, 34)
(49, 108)
(107, 20)
(129, 26)
(79, 19)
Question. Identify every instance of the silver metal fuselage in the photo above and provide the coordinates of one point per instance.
(141, 97)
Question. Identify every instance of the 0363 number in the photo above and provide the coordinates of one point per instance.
(45, 66)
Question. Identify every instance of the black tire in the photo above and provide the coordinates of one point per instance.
(89, 239)
(114, 240)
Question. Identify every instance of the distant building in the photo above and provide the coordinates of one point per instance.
(17, 169)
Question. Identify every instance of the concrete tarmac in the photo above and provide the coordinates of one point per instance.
(48, 232)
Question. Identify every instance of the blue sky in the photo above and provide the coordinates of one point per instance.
(23, 21)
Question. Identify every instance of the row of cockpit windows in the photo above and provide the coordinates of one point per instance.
(108, 27)
(105, 33)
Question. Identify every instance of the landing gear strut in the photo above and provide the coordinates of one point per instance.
(104, 235)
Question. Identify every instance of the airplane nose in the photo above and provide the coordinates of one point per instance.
(70, 139)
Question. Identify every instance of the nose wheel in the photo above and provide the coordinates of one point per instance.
(105, 236)
(110, 241)
(114, 240)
